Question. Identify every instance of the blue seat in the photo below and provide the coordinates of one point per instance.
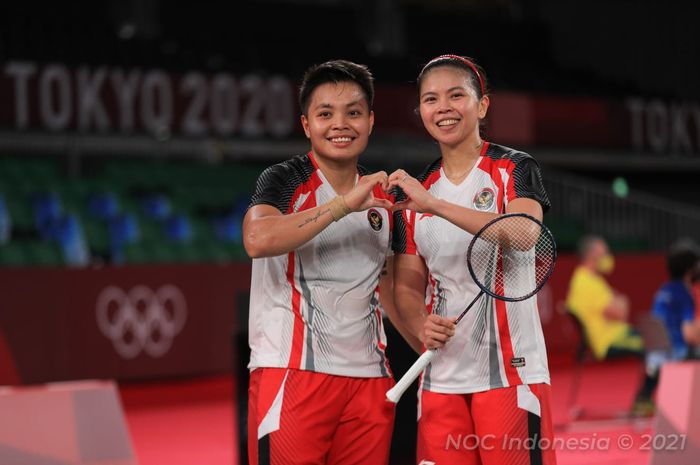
(47, 209)
(228, 228)
(157, 207)
(72, 241)
(103, 205)
(5, 222)
(178, 228)
(123, 229)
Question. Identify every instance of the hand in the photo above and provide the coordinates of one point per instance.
(361, 196)
(418, 198)
(436, 331)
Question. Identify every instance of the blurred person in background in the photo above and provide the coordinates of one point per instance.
(492, 380)
(674, 303)
(604, 314)
(319, 230)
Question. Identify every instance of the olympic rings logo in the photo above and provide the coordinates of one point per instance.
(141, 320)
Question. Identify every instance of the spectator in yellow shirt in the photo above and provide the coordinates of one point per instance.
(603, 313)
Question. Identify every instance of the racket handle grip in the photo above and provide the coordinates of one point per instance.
(395, 393)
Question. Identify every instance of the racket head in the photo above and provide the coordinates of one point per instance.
(512, 257)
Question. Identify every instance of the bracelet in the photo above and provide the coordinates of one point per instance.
(338, 208)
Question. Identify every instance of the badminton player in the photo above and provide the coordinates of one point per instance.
(319, 233)
(490, 383)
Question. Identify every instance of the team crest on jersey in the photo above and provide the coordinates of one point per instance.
(375, 219)
(484, 199)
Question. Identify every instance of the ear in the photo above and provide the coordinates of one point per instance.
(305, 125)
(371, 121)
(484, 106)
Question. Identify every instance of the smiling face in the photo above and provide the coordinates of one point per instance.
(338, 121)
(449, 106)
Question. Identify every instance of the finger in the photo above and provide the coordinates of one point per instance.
(383, 203)
(437, 337)
(442, 330)
(398, 175)
(403, 205)
(380, 176)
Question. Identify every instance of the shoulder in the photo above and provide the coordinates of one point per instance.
(297, 169)
(430, 171)
(498, 152)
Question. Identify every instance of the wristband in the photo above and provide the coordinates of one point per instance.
(338, 208)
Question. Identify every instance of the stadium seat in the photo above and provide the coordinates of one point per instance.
(103, 205)
(178, 228)
(123, 229)
(5, 222)
(156, 206)
(47, 210)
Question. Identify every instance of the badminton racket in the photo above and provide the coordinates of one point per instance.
(510, 259)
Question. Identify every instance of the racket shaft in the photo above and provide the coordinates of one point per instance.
(461, 315)
(395, 393)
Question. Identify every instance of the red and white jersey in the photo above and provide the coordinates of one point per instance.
(317, 308)
(497, 343)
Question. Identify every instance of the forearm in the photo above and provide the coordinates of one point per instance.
(466, 218)
(272, 235)
(473, 220)
(400, 325)
(386, 299)
(411, 315)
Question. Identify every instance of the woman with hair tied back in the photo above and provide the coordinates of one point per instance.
(490, 382)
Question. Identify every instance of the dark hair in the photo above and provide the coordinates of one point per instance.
(335, 71)
(477, 76)
(586, 243)
(681, 259)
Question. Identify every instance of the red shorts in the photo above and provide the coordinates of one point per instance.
(303, 417)
(510, 425)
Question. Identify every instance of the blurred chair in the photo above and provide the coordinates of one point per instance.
(178, 228)
(103, 205)
(657, 343)
(5, 222)
(123, 229)
(228, 228)
(156, 206)
(47, 209)
(72, 240)
(582, 354)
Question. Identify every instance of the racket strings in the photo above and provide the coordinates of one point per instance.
(512, 258)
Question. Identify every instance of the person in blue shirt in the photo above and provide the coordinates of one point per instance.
(674, 304)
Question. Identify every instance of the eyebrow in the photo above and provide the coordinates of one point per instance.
(448, 90)
(328, 105)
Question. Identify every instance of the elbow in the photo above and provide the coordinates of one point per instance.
(254, 243)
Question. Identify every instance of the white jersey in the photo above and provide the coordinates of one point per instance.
(317, 308)
(498, 343)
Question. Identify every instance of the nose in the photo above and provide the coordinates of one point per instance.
(444, 105)
(339, 121)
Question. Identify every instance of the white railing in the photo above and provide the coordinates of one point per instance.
(654, 221)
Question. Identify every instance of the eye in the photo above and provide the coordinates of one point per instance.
(325, 114)
(457, 95)
(429, 99)
(354, 113)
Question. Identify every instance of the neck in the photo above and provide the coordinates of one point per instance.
(591, 265)
(339, 173)
(458, 160)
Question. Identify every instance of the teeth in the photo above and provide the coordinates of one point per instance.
(340, 139)
(447, 122)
